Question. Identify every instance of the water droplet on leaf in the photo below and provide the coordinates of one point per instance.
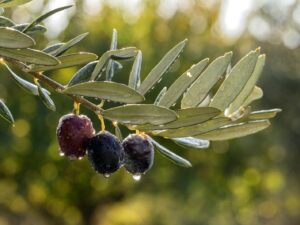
(137, 177)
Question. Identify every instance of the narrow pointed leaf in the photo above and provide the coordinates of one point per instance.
(29, 56)
(246, 91)
(118, 132)
(140, 114)
(83, 74)
(195, 129)
(205, 82)
(256, 94)
(235, 131)
(160, 95)
(52, 48)
(45, 16)
(6, 22)
(107, 91)
(191, 142)
(37, 29)
(63, 48)
(123, 53)
(186, 117)
(134, 77)
(161, 68)
(110, 69)
(46, 99)
(235, 82)
(5, 112)
(10, 38)
(263, 114)
(182, 83)
(178, 160)
(27, 86)
(12, 3)
(70, 60)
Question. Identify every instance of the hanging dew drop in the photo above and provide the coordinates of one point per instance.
(80, 158)
(61, 154)
(137, 177)
(106, 175)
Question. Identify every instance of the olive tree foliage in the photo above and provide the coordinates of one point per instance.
(211, 101)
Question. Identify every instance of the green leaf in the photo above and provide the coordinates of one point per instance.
(178, 160)
(6, 22)
(246, 91)
(160, 95)
(186, 117)
(29, 56)
(195, 129)
(205, 82)
(68, 61)
(83, 74)
(27, 86)
(10, 38)
(123, 53)
(37, 29)
(107, 91)
(134, 77)
(52, 48)
(63, 48)
(48, 102)
(161, 68)
(140, 114)
(45, 16)
(110, 69)
(118, 132)
(235, 82)
(263, 114)
(256, 94)
(235, 131)
(191, 142)
(182, 83)
(12, 3)
(5, 112)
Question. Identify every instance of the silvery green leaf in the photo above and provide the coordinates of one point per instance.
(186, 117)
(194, 129)
(46, 99)
(70, 60)
(106, 90)
(10, 38)
(5, 112)
(123, 53)
(36, 29)
(12, 3)
(24, 83)
(182, 83)
(118, 132)
(110, 69)
(191, 142)
(44, 16)
(66, 46)
(205, 82)
(160, 95)
(235, 130)
(52, 48)
(134, 77)
(83, 74)
(161, 68)
(256, 94)
(178, 160)
(263, 114)
(28, 55)
(6, 22)
(248, 88)
(140, 114)
(235, 82)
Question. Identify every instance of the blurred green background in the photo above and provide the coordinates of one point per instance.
(248, 181)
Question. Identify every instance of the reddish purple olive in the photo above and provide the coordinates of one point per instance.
(139, 154)
(105, 153)
(73, 132)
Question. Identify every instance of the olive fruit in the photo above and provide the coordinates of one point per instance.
(105, 153)
(139, 154)
(73, 132)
